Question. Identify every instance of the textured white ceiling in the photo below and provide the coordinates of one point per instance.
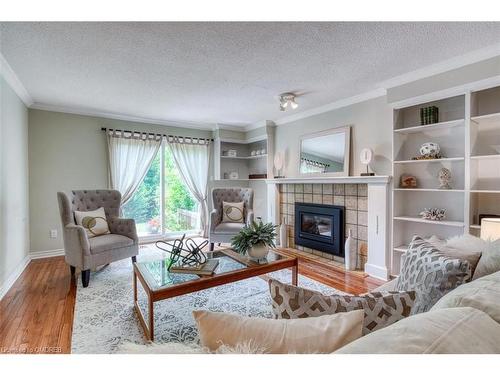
(222, 72)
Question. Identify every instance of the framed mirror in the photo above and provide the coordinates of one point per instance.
(325, 153)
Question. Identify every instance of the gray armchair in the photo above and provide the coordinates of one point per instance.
(224, 232)
(86, 253)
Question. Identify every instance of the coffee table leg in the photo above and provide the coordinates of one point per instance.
(151, 318)
(295, 277)
(148, 328)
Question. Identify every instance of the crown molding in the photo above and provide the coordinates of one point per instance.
(335, 105)
(14, 82)
(115, 116)
(483, 84)
(235, 128)
(443, 66)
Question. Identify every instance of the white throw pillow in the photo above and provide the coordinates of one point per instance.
(490, 253)
(94, 222)
(232, 212)
(322, 334)
(459, 330)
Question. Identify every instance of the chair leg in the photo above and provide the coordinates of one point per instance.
(212, 246)
(85, 278)
(134, 259)
(72, 270)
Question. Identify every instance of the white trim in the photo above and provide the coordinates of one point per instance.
(443, 66)
(115, 116)
(331, 180)
(378, 272)
(377, 93)
(245, 141)
(234, 128)
(447, 93)
(13, 80)
(46, 253)
(5, 287)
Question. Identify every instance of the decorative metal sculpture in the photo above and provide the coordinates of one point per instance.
(186, 250)
(436, 214)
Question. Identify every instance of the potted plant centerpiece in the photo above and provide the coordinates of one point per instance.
(255, 239)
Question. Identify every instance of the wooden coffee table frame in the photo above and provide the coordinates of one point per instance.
(205, 282)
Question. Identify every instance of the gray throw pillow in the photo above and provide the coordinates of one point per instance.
(381, 309)
(430, 273)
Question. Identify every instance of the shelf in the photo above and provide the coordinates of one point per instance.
(420, 220)
(243, 179)
(475, 226)
(440, 190)
(485, 191)
(480, 157)
(401, 248)
(428, 160)
(244, 157)
(430, 127)
(491, 118)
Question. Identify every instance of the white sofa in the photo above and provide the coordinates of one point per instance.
(465, 321)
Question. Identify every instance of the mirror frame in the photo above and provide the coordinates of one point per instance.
(346, 130)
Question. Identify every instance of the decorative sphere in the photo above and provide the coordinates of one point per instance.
(429, 149)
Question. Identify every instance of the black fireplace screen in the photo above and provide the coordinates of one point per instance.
(316, 224)
(320, 227)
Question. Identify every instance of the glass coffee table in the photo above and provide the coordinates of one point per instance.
(159, 284)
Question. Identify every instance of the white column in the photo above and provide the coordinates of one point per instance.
(378, 263)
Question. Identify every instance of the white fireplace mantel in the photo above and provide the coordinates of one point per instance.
(332, 180)
(378, 262)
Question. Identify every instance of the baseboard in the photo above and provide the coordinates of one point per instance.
(46, 253)
(378, 272)
(5, 287)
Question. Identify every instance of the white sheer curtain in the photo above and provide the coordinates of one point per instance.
(193, 160)
(129, 160)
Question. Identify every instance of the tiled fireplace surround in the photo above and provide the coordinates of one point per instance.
(354, 198)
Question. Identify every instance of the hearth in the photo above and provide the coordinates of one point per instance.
(320, 227)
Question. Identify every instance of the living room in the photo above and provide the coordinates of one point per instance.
(203, 187)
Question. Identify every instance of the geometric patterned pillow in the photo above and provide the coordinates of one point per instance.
(430, 273)
(381, 308)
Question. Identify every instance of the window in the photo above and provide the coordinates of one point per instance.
(179, 211)
(144, 206)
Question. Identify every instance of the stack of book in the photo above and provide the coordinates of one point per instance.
(204, 269)
(429, 115)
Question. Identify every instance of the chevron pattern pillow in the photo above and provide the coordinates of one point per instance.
(430, 273)
(381, 309)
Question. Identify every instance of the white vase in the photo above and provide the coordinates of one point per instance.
(258, 251)
(350, 253)
(283, 236)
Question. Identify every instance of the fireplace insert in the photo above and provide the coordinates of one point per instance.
(320, 227)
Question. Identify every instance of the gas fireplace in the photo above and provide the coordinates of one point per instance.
(320, 227)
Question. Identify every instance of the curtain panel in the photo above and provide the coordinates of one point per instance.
(193, 161)
(129, 160)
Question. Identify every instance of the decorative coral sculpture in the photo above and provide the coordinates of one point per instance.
(436, 214)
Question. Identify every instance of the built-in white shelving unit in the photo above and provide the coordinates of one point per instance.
(468, 133)
(245, 163)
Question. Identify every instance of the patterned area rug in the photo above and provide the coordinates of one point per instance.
(105, 318)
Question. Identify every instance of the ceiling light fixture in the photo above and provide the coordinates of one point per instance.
(287, 100)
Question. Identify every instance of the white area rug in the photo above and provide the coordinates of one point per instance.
(105, 318)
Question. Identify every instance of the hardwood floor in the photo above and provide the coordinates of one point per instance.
(36, 315)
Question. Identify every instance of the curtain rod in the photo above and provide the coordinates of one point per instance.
(157, 134)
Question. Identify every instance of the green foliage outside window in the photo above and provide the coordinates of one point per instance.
(178, 200)
(181, 210)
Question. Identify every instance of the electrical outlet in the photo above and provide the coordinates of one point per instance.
(53, 233)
